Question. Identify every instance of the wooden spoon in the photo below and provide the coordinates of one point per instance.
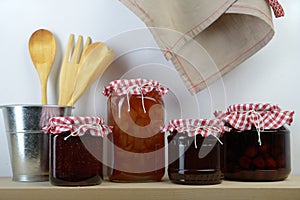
(42, 48)
(97, 58)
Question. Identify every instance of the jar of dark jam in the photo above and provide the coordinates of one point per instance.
(194, 151)
(136, 145)
(260, 149)
(76, 147)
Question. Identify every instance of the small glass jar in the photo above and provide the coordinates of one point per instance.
(136, 145)
(258, 146)
(194, 152)
(76, 147)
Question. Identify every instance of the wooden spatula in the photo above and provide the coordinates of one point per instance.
(97, 58)
(70, 66)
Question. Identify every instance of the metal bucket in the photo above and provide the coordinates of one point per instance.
(28, 145)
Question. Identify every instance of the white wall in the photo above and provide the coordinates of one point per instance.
(269, 76)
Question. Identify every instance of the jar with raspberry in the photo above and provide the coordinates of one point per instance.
(258, 146)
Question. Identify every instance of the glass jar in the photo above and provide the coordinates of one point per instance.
(246, 160)
(258, 146)
(76, 148)
(136, 145)
(194, 152)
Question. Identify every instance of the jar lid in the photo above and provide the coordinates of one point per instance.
(193, 127)
(77, 125)
(260, 115)
(134, 86)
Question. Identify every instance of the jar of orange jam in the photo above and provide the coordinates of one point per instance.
(258, 146)
(136, 144)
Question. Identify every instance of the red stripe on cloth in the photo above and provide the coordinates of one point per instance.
(256, 9)
(230, 63)
(195, 27)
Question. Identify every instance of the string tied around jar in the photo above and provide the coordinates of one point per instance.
(134, 87)
(257, 120)
(95, 126)
(76, 132)
(140, 89)
(211, 131)
(193, 127)
(262, 116)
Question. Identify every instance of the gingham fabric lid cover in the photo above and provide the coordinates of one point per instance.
(77, 125)
(261, 115)
(134, 86)
(193, 127)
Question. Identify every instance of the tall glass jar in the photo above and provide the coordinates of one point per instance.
(258, 146)
(76, 148)
(136, 145)
(194, 151)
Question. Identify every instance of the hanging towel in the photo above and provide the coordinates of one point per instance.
(205, 39)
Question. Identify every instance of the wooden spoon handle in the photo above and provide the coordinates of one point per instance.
(44, 92)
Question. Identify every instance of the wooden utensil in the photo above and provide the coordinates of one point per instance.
(97, 59)
(42, 49)
(72, 60)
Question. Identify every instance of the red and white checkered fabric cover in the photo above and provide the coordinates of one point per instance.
(277, 8)
(193, 127)
(77, 125)
(134, 86)
(262, 116)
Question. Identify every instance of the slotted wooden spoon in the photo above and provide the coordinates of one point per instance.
(97, 59)
(42, 49)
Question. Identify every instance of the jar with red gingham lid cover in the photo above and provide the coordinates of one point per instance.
(76, 147)
(258, 146)
(194, 151)
(136, 112)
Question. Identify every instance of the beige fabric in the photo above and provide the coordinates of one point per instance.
(206, 39)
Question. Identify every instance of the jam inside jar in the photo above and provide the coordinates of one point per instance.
(136, 145)
(246, 160)
(194, 151)
(76, 150)
(75, 161)
(194, 164)
(257, 148)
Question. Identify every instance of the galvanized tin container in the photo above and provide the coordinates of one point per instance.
(28, 145)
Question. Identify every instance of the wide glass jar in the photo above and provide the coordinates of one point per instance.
(136, 145)
(194, 151)
(258, 146)
(76, 148)
(245, 159)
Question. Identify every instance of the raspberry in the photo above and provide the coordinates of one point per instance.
(280, 161)
(251, 151)
(245, 162)
(271, 163)
(232, 167)
(259, 162)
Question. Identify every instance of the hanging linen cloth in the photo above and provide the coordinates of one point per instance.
(205, 39)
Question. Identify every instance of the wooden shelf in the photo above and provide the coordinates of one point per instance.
(281, 190)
